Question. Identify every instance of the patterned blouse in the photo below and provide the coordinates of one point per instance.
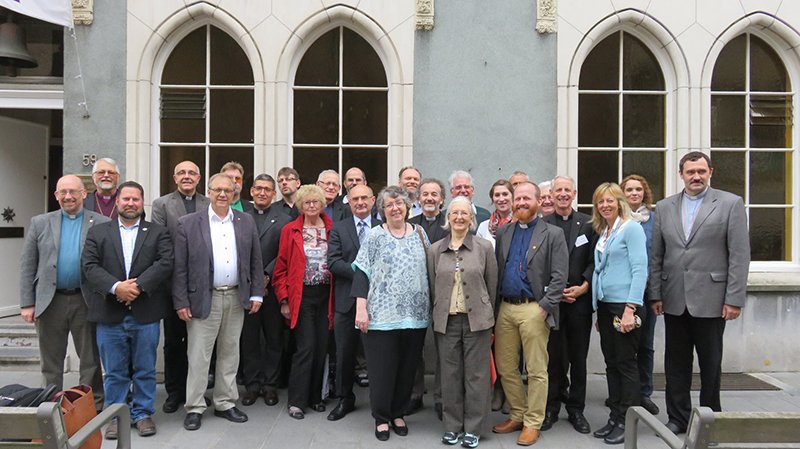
(315, 246)
(398, 281)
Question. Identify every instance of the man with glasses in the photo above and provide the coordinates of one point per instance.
(105, 175)
(166, 212)
(50, 293)
(235, 171)
(329, 182)
(288, 183)
(218, 272)
(461, 185)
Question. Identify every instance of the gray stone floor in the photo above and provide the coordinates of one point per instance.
(271, 427)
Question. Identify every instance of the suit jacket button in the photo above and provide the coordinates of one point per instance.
(469, 310)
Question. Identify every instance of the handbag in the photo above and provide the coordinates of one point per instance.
(77, 407)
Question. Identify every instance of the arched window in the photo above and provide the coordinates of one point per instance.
(751, 141)
(206, 106)
(621, 116)
(340, 103)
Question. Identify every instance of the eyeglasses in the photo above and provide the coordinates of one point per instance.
(238, 179)
(463, 187)
(329, 184)
(459, 213)
(311, 203)
(395, 205)
(261, 189)
(184, 173)
(220, 190)
(289, 179)
(106, 173)
(71, 192)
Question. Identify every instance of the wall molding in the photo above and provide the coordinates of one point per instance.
(546, 21)
(425, 15)
(83, 12)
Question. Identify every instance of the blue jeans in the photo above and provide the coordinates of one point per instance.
(124, 345)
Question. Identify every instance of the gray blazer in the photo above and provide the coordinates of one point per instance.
(40, 255)
(709, 268)
(548, 265)
(169, 208)
(194, 265)
(478, 277)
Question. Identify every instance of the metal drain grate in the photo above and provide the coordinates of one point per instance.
(730, 382)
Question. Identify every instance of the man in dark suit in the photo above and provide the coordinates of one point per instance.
(461, 185)
(533, 262)
(105, 175)
(288, 183)
(431, 198)
(210, 290)
(568, 346)
(343, 245)
(699, 263)
(331, 185)
(126, 266)
(261, 363)
(166, 212)
(50, 286)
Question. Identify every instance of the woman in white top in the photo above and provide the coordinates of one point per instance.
(500, 194)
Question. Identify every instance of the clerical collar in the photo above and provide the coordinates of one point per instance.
(188, 197)
(107, 198)
(430, 219)
(529, 225)
(699, 196)
(261, 211)
(72, 217)
(563, 217)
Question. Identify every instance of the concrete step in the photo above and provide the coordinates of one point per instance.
(18, 335)
(19, 358)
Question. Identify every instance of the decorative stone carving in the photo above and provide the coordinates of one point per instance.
(425, 15)
(83, 12)
(546, 16)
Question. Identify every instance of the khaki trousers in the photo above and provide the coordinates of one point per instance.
(223, 325)
(522, 325)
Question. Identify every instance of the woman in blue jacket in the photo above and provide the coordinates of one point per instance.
(618, 285)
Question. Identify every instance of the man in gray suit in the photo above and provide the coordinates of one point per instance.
(533, 264)
(50, 280)
(218, 274)
(698, 279)
(166, 212)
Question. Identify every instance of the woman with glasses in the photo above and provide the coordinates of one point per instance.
(302, 285)
(463, 276)
(392, 309)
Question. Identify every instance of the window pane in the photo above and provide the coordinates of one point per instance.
(316, 116)
(727, 121)
(320, 64)
(770, 121)
(229, 64)
(371, 160)
(218, 156)
(770, 175)
(362, 66)
(594, 168)
(729, 171)
(649, 164)
(187, 62)
(171, 156)
(767, 72)
(232, 116)
(364, 117)
(729, 70)
(183, 115)
(640, 69)
(309, 162)
(770, 238)
(598, 120)
(600, 70)
(643, 121)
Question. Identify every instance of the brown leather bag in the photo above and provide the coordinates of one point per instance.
(77, 406)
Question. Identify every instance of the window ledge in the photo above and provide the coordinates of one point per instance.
(773, 282)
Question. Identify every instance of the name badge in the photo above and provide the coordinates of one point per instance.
(581, 240)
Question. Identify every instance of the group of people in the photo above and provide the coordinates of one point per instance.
(353, 273)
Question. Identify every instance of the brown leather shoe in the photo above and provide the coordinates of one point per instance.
(507, 426)
(112, 431)
(146, 427)
(528, 436)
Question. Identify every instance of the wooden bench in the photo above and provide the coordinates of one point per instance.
(721, 430)
(47, 424)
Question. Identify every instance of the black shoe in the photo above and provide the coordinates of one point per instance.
(550, 418)
(233, 414)
(437, 406)
(210, 382)
(270, 397)
(401, 431)
(617, 435)
(207, 400)
(381, 435)
(249, 398)
(172, 404)
(319, 407)
(341, 410)
(673, 427)
(362, 380)
(649, 405)
(415, 404)
(605, 430)
(192, 421)
(579, 422)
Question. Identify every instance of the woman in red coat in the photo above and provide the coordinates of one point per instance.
(302, 285)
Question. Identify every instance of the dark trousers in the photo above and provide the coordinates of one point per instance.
(619, 351)
(392, 358)
(568, 348)
(347, 338)
(176, 363)
(262, 346)
(311, 337)
(645, 356)
(684, 335)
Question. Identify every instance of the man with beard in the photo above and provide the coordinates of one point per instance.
(533, 262)
(105, 175)
(408, 179)
(126, 265)
(288, 183)
(431, 199)
(547, 207)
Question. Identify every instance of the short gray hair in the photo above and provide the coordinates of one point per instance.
(433, 181)
(107, 160)
(328, 172)
(393, 192)
(459, 174)
(564, 177)
(459, 200)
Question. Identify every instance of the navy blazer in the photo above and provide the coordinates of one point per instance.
(343, 246)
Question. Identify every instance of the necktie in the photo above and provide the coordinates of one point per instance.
(362, 231)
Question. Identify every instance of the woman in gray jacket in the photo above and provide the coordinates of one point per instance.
(463, 274)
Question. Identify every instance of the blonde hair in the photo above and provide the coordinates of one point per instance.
(624, 210)
(309, 191)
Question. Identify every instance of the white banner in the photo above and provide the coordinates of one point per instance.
(53, 11)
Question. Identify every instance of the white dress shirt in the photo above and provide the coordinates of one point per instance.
(223, 246)
(128, 236)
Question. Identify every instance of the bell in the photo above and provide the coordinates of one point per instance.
(13, 50)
